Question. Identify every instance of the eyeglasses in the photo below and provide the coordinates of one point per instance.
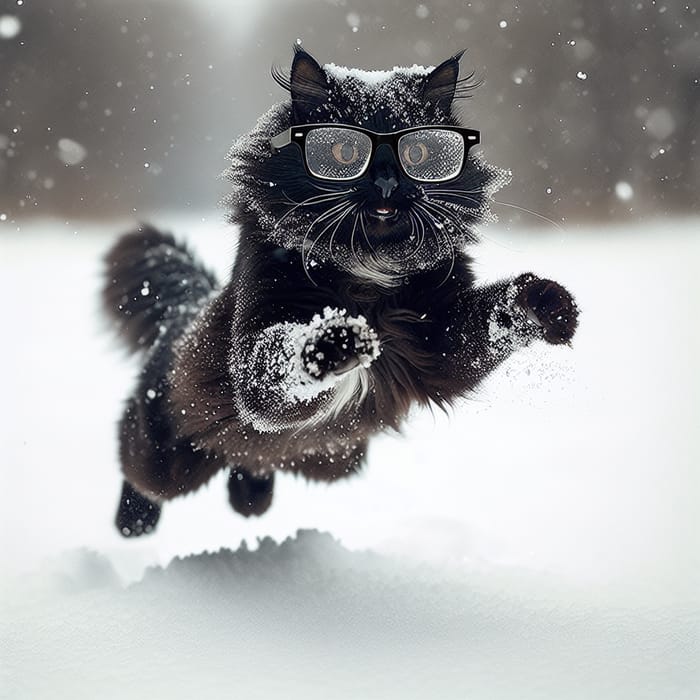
(338, 152)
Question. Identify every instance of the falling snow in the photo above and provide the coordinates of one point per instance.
(10, 26)
(624, 191)
(71, 152)
(660, 123)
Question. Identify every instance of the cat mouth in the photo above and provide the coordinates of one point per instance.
(383, 212)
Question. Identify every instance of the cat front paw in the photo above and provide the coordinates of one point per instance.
(338, 343)
(549, 305)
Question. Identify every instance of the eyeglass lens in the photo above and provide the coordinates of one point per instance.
(428, 155)
(431, 154)
(337, 154)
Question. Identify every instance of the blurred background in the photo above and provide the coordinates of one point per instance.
(127, 107)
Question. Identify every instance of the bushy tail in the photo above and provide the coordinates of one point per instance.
(151, 280)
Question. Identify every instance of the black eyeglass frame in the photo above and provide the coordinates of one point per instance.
(298, 134)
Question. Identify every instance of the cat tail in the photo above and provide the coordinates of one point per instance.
(151, 280)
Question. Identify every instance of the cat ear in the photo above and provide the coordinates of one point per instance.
(308, 83)
(441, 84)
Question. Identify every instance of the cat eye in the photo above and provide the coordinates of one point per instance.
(345, 152)
(338, 152)
(414, 154)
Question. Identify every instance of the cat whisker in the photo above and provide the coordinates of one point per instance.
(461, 194)
(335, 230)
(335, 220)
(364, 233)
(426, 218)
(415, 234)
(379, 260)
(480, 190)
(456, 194)
(529, 211)
(320, 187)
(438, 230)
(316, 198)
(320, 218)
(449, 216)
(440, 209)
(421, 223)
(313, 200)
(373, 266)
(352, 238)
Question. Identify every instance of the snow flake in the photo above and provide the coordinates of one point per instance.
(660, 123)
(422, 11)
(519, 75)
(583, 48)
(10, 26)
(624, 191)
(71, 152)
(353, 20)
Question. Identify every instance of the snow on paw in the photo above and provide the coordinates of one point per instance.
(337, 343)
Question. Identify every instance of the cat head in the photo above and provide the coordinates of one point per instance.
(366, 205)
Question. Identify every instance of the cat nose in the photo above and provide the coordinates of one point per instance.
(386, 186)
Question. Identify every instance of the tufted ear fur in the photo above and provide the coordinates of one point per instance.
(308, 85)
(441, 84)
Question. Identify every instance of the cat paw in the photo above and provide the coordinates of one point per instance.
(248, 494)
(136, 515)
(338, 343)
(550, 306)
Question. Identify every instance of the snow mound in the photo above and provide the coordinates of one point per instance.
(309, 618)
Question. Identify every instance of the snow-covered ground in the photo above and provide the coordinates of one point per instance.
(541, 541)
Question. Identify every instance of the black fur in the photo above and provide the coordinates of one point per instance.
(323, 336)
(248, 494)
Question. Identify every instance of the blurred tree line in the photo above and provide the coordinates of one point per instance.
(125, 107)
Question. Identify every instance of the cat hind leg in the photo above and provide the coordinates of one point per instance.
(136, 514)
(249, 494)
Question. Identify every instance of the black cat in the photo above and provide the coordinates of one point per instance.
(351, 296)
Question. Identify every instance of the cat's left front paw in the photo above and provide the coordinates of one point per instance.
(550, 306)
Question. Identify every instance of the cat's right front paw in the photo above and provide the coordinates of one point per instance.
(338, 343)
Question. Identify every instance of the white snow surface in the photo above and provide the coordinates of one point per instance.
(541, 541)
